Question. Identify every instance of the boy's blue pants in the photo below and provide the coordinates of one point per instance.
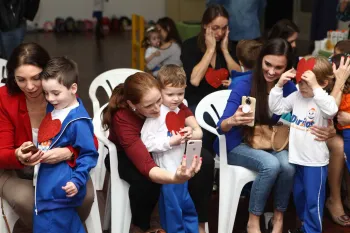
(346, 137)
(309, 196)
(64, 220)
(176, 209)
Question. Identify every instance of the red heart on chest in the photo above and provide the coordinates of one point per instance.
(215, 77)
(48, 128)
(175, 122)
(304, 65)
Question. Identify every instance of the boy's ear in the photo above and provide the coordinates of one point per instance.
(74, 88)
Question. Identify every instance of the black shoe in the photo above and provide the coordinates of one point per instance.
(297, 230)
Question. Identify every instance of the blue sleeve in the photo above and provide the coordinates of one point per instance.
(83, 140)
(241, 88)
(289, 88)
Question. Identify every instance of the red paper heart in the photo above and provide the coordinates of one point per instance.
(175, 122)
(215, 77)
(48, 128)
(304, 65)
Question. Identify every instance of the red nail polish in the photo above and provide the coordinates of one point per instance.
(195, 156)
(201, 158)
(184, 156)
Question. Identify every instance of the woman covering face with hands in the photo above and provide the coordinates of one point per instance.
(208, 55)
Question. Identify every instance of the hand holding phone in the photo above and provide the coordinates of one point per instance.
(193, 148)
(249, 104)
(30, 148)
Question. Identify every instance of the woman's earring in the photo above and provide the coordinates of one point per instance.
(133, 109)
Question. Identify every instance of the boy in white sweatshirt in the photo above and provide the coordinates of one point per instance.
(311, 105)
(176, 209)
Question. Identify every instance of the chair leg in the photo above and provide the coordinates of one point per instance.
(93, 222)
(107, 215)
(230, 191)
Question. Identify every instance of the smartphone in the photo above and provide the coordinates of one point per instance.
(249, 104)
(193, 147)
(31, 148)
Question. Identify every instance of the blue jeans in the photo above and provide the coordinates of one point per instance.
(10, 40)
(273, 169)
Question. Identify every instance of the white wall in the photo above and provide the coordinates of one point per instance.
(82, 9)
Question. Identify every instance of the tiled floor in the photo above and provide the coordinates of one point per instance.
(95, 57)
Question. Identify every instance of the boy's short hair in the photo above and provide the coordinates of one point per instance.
(171, 75)
(248, 52)
(63, 69)
(342, 46)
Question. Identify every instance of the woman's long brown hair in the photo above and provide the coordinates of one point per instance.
(277, 47)
(133, 89)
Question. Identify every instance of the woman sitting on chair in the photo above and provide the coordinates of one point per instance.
(272, 167)
(22, 108)
(129, 106)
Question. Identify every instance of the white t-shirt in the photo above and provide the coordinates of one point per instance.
(149, 51)
(154, 135)
(303, 148)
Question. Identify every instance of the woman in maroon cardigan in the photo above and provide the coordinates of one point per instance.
(22, 108)
(139, 97)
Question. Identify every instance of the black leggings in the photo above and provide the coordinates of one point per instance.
(144, 194)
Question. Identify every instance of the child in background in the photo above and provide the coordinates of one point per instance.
(61, 188)
(152, 43)
(342, 46)
(247, 52)
(311, 105)
(176, 208)
(344, 107)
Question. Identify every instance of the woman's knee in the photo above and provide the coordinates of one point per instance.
(271, 166)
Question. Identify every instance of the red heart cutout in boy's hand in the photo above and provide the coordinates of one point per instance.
(175, 122)
(304, 65)
(215, 77)
(48, 128)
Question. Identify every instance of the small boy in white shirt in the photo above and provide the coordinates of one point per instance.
(176, 208)
(311, 105)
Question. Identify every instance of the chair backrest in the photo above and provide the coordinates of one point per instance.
(121, 213)
(108, 81)
(214, 104)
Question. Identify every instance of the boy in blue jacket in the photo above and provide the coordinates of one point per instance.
(247, 52)
(60, 188)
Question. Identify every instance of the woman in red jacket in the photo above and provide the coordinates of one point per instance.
(22, 108)
(131, 103)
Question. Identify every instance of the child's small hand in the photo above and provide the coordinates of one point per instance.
(310, 78)
(176, 139)
(187, 132)
(226, 83)
(285, 77)
(71, 189)
(156, 53)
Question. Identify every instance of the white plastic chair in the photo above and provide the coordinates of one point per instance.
(93, 222)
(120, 203)
(107, 80)
(232, 178)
